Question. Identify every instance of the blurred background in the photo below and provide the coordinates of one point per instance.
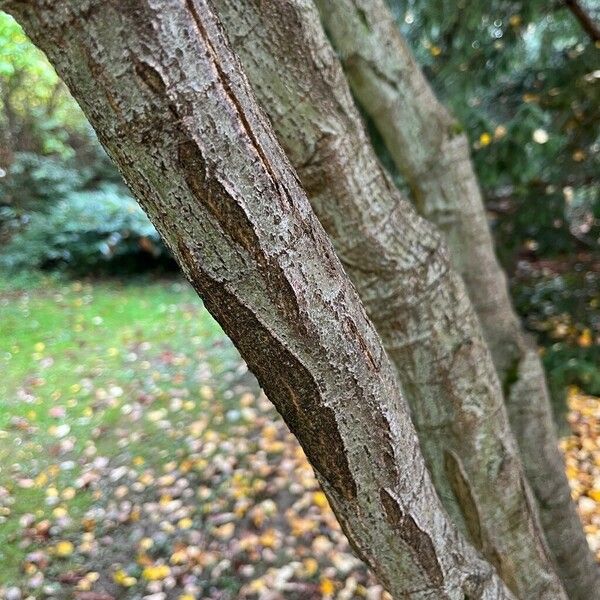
(137, 455)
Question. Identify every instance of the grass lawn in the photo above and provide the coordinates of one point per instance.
(138, 458)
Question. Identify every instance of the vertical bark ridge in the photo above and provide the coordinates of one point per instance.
(424, 142)
(399, 266)
(167, 98)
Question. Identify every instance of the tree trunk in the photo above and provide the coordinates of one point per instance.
(424, 142)
(417, 303)
(169, 103)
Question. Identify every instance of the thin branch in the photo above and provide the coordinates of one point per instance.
(585, 20)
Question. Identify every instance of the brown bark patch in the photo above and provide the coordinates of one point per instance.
(205, 187)
(290, 387)
(418, 541)
(462, 490)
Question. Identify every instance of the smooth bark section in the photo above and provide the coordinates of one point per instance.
(398, 264)
(166, 95)
(429, 150)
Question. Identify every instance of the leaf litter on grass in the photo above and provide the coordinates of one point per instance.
(142, 461)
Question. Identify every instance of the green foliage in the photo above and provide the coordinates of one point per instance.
(34, 182)
(58, 213)
(562, 308)
(98, 230)
(62, 203)
(37, 113)
(524, 80)
(567, 366)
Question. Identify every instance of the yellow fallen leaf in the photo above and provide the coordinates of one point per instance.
(594, 495)
(41, 480)
(146, 543)
(63, 549)
(178, 557)
(68, 493)
(320, 500)
(268, 539)
(156, 573)
(59, 512)
(123, 579)
(225, 531)
(311, 566)
(500, 132)
(585, 339)
(302, 526)
(146, 479)
(84, 585)
(257, 585)
(327, 587)
(274, 447)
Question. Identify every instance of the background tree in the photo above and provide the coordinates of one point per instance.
(432, 155)
(521, 79)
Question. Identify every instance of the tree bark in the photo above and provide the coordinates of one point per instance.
(167, 98)
(398, 264)
(432, 155)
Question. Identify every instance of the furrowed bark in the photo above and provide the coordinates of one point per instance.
(167, 98)
(433, 156)
(400, 269)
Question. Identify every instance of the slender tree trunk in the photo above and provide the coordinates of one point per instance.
(166, 96)
(424, 142)
(399, 267)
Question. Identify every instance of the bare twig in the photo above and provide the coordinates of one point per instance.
(585, 20)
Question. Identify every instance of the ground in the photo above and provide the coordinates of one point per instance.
(138, 457)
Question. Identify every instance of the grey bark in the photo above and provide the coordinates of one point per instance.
(399, 266)
(167, 98)
(433, 156)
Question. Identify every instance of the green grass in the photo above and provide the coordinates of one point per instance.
(87, 349)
